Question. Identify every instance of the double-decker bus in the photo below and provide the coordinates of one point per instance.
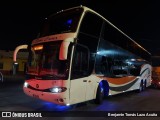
(81, 56)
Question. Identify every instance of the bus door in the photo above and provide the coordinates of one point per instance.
(79, 74)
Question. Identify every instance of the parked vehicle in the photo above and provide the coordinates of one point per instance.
(155, 82)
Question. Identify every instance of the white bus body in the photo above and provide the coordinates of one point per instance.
(85, 63)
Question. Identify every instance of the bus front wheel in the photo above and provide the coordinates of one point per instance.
(99, 95)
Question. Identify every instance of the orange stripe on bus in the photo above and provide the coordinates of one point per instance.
(119, 81)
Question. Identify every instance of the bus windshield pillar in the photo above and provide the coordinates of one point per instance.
(64, 50)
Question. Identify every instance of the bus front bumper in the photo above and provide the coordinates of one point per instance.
(57, 98)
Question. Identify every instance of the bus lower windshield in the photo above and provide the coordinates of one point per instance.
(44, 61)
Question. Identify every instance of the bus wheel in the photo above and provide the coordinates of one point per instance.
(144, 85)
(99, 95)
(140, 87)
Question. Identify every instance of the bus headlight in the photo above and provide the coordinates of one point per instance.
(58, 89)
(25, 84)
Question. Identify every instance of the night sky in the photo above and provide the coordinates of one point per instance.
(140, 19)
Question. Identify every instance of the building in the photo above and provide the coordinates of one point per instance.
(6, 62)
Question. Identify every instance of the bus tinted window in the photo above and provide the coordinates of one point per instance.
(63, 22)
(114, 36)
(80, 64)
(91, 24)
(90, 31)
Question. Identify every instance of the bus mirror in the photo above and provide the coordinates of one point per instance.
(64, 50)
(16, 51)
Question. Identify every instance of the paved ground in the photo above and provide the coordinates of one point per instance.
(12, 98)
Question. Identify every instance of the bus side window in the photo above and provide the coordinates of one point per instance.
(90, 31)
(80, 64)
(120, 68)
(135, 70)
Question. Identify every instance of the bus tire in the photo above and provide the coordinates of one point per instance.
(144, 85)
(140, 87)
(99, 95)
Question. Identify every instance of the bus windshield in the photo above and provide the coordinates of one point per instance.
(44, 61)
(62, 22)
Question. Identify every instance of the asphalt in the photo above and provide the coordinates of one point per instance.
(12, 79)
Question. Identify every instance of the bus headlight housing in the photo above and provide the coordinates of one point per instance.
(26, 84)
(58, 89)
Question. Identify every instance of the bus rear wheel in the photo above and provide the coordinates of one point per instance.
(144, 85)
(140, 87)
(99, 95)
